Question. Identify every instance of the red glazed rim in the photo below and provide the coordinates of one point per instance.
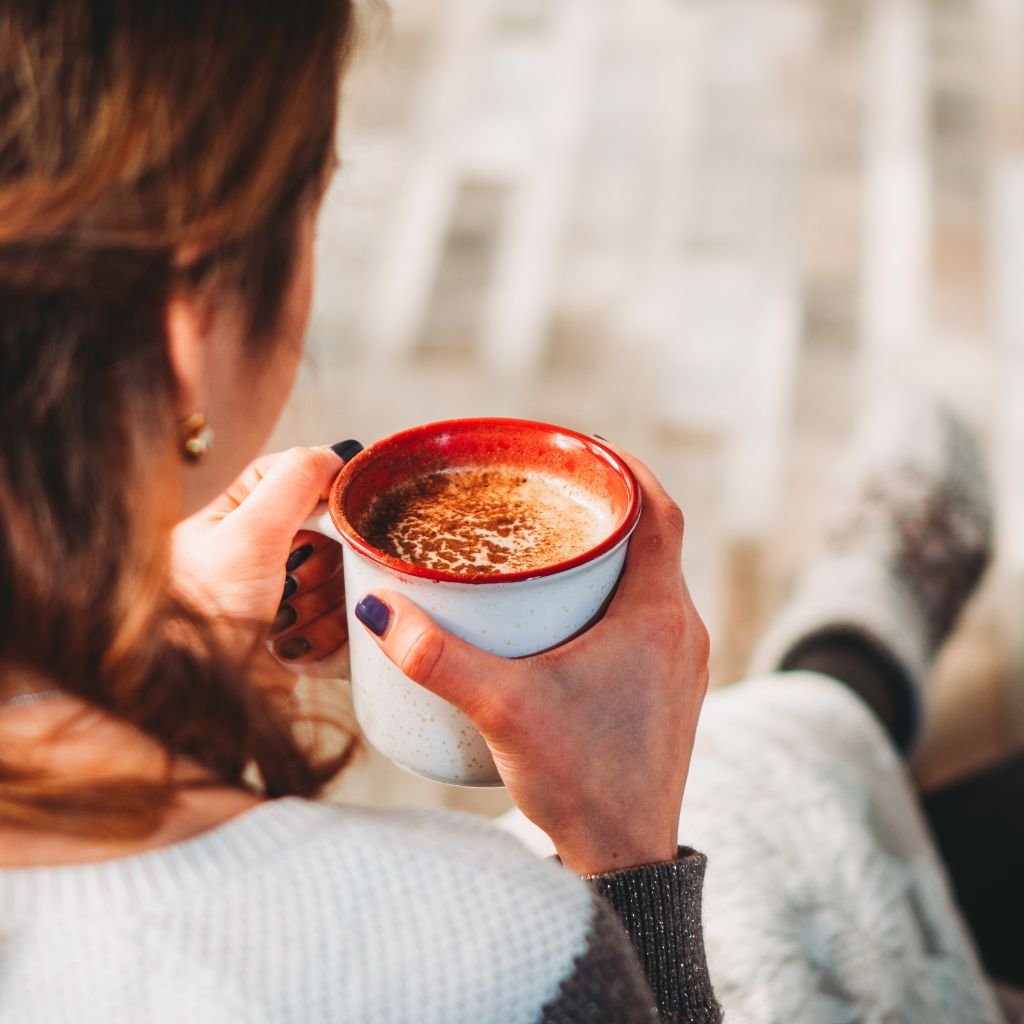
(417, 437)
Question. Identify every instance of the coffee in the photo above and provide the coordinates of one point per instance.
(482, 521)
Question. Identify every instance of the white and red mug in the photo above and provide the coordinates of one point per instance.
(510, 614)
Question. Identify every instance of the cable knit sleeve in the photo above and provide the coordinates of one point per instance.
(659, 906)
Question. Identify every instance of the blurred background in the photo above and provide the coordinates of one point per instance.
(707, 230)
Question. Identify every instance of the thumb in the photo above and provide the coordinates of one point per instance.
(286, 494)
(471, 679)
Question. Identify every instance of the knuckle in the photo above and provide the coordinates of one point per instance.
(491, 716)
(676, 628)
(499, 712)
(303, 461)
(491, 710)
(665, 627)
(673, 518)
(424, 656)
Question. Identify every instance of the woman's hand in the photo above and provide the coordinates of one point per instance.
(244, 558)
(593, 738)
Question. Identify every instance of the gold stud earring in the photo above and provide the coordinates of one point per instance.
(195, 436)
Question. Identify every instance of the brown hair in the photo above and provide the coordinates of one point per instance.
(130, 133)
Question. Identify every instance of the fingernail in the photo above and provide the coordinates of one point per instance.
(374, 614)
(600, 438)
(285, 617)
(291, 584)
(346, 450)
(292, 648)
(297, 557)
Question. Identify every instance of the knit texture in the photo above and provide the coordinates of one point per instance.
(607, 983)
(660, 905)
(824, 900)
(303, 912)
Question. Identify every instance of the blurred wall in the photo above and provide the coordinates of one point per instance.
(707, 230)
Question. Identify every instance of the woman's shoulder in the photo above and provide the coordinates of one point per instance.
(441, 907)
(448, 847)
(430, 864)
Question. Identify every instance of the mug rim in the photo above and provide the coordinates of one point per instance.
(626, 526)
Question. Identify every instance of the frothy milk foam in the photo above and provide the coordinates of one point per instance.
(485, 521)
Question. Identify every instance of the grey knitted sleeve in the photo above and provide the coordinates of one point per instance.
(659, 905)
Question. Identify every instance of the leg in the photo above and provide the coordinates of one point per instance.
(824, 898)
(908, 542)
(909, 538)
(977, 822)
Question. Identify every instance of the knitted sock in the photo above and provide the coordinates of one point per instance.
(908, 539)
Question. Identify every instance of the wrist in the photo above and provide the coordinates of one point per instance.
(609, 857)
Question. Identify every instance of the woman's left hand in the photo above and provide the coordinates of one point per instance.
(244, 558)
(592, 738)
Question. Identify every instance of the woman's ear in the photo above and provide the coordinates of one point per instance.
(184, 326)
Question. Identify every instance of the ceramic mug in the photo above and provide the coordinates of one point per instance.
(509, 614)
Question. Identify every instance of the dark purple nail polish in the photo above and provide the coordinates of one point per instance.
(292, 648)
(346, 450)
(297, 557)
(285, 617)
(374, 614)
(291, 584)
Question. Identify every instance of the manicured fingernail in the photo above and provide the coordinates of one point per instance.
(346, 450)
(291, 584)
(292, 648)
(297, 557)
(374, 614)
(285, 617)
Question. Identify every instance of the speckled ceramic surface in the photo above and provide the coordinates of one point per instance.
(512, 615)
(413, 727)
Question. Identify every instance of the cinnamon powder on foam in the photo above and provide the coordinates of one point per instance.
(485, 521)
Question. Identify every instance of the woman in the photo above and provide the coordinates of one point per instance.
(161, 165)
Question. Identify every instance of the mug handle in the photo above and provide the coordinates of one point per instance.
(320, 522)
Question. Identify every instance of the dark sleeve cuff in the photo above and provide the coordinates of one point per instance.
(660, 908)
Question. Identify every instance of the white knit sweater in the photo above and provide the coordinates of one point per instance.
(304, 912)
(286, 911)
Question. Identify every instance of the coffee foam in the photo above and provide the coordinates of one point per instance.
(484, 521)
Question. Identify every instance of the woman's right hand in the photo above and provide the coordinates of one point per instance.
(593, 739)
(244, 558)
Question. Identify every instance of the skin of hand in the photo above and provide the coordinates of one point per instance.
(593, 739)
(243, 558)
